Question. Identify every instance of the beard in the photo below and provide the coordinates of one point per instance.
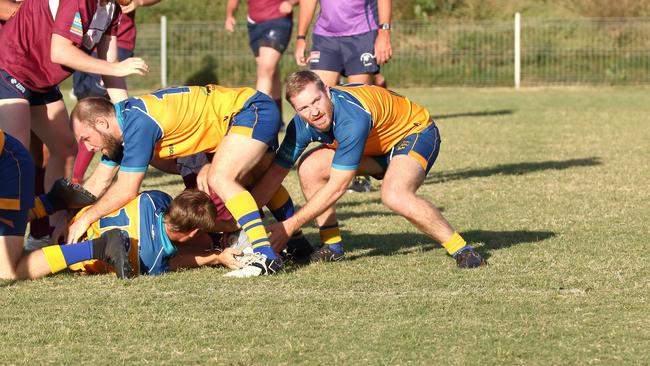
(327, 113)
(112, 146)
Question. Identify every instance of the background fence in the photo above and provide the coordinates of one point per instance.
(576, 51)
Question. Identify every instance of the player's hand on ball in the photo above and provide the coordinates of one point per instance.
(131, 66)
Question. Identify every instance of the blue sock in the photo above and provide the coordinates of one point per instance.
(336, 247)
(463, 249)
(79, 252)
(266, 250)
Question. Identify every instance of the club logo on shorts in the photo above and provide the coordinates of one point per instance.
(18, 85)
(273, 34)
(366, 59)
(403, 145)
(314, 57)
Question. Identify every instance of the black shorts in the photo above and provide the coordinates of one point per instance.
(348, 55)
(11, 88)
(274, 33)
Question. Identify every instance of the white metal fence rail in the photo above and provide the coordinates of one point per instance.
(544, 52)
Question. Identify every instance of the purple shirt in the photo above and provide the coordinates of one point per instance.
(339, 18)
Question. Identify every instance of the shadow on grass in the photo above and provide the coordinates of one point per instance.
(513, 169)
(399, 244)
(500, 112)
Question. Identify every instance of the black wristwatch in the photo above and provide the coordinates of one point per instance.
(384, 26)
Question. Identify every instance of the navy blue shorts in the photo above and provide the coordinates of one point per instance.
(11, 88)
(274, 33)
(16, 186)
(259, 119)
(349, 55)
(422, 146)
(86, 85)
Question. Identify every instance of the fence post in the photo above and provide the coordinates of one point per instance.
(517, 50)
(163, 51)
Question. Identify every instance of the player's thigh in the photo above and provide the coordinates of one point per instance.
(360, 79)
(316, 162)
(51, 124)
(15, 119)
(268, 60)
(412, 158)
(11, 249)
(404, 175)
(236, 156)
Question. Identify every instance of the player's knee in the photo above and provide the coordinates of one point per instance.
(312, 170)
(266, 70)
(394, 200)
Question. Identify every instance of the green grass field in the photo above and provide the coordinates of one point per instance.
(552, 187)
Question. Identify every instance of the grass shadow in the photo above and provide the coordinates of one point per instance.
(513, 169)
(499, 112)
(399, 244)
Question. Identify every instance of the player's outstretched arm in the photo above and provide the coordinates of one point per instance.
(118, 194)
(115, 86)
(64, 52)
(199, 258)
(327, 196)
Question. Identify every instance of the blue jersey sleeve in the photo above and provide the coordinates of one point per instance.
(155, 246)
(140, 133)
(295, 141)
(351, 130)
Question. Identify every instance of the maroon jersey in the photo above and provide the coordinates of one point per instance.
(26, 39)
(263, 10)
(126, 32)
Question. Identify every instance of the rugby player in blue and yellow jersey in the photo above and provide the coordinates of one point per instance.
(16, 201)
(238, 125)
(363, 130)
(159, 230)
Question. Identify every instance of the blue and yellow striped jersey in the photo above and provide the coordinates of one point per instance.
(142, 220)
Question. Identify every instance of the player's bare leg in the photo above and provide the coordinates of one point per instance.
(268, 75)
(15, 119)
(398, 192)
(15, 266)
(236, 156)
(360, 79)
(314, 172)
(51, 124)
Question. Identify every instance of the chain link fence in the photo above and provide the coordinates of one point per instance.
(553, 52)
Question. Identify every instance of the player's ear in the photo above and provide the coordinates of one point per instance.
(193, 233)
(101, 123)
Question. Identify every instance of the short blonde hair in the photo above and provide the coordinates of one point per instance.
(296, 82)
